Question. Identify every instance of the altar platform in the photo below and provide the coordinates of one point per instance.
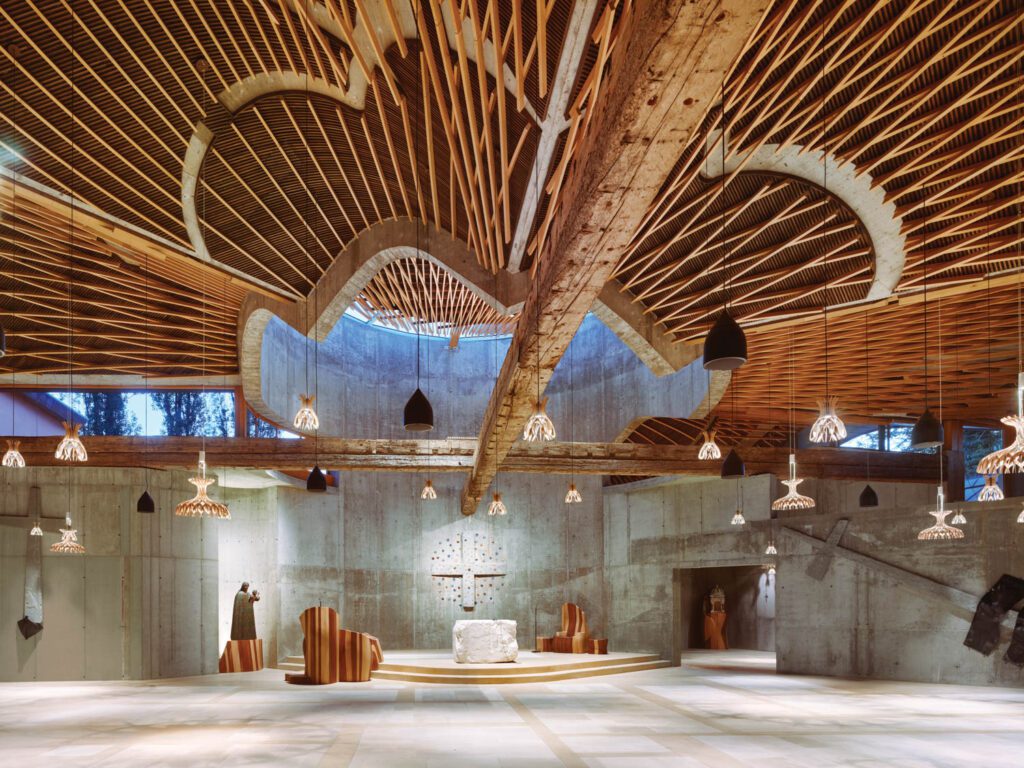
(530, 667)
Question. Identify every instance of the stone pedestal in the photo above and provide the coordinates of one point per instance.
(484, 642)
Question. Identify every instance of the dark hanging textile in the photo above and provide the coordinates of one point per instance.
(983, 636)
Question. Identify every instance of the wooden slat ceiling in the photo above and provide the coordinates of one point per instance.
(289, 180)
(923, 95)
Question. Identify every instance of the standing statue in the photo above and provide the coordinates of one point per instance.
(714, 620)
(243, 619)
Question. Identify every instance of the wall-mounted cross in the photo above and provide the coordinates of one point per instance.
(468, 566)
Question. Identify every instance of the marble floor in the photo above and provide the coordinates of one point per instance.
(721, 710)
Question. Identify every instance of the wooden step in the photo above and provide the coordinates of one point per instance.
(528, 675)
(569, 661)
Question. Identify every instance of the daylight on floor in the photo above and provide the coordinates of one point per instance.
(453, 383)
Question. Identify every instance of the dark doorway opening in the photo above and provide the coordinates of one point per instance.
(749, 606)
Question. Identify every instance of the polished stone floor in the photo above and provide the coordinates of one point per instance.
(722, 710)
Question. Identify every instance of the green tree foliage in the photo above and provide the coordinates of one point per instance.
(184, 412)
(106, 413)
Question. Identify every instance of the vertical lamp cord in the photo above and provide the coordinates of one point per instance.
(824, 195)
(726, 249)
(867, 389)
(71, 251)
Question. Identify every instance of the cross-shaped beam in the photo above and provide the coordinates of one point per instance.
(665, 72)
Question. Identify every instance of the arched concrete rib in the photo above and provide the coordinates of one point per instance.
(375, 248)
(241, 94)
(879, 217)
(367, 254)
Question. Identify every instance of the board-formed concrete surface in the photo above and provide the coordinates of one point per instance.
(719, 709)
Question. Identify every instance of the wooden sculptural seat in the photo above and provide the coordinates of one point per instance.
(334, 655)
(573, 637)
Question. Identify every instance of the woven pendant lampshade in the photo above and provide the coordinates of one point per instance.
(68, 544)
(573, 495)
(70, 447)
(539, 426)
(941, 531)
(497, 506)
(13, 458)
(828, 427)
(201, 505)
(709, 450)
(36, 529)
(306, 419)
(991, 491)
(428, 493)
(792, 500)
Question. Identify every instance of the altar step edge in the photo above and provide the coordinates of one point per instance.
(488, 677)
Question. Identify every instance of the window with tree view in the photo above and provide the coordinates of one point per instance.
(158, 412)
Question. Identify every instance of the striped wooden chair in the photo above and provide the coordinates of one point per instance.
(573, 636)
(334, 655)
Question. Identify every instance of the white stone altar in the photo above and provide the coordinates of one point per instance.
(484, 641)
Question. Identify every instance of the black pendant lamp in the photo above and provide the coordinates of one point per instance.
(725, 347)
(146, 505)
(733, 465)
(419, 415)
(3, 342)
(317, 481)
(868, 497)
(927, 432)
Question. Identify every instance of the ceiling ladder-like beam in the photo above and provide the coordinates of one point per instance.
(664, 73)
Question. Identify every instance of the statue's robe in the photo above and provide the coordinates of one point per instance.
(714, 631)
(243, 619)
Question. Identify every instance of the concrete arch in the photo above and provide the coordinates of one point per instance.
(855, 190)
(316, 315)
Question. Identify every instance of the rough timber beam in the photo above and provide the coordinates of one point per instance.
(455, 454)
(663, 76)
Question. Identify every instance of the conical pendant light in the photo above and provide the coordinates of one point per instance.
(868, 497)
(316, 482)
(927, 431)
(733, 465)
(725, 346)
(419, 414)
(145, 504)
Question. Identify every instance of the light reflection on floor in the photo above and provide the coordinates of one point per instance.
(719, 709)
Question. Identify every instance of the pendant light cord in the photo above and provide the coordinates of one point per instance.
(727, 256)
(16, 249)
(867, 390)
(71, 248)
(825, 197)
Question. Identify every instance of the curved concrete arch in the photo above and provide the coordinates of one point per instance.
(855, 190)
(372, 250)
(367, 254)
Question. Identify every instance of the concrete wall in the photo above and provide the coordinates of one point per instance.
(862, 621)
(858, 621)
(366, 375)
(140, 603)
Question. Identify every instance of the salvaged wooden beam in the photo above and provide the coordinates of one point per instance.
(667, 67)
(456, 454)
